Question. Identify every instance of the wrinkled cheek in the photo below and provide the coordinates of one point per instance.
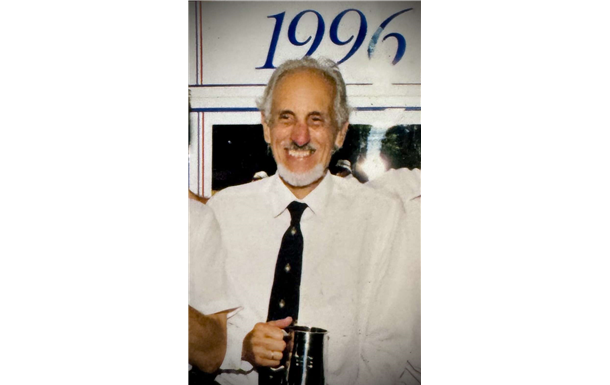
(326, 158)
(277, 150)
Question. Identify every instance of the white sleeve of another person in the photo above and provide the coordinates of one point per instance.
(391, 352)
(208, 285)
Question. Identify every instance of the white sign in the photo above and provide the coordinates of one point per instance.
(240, 43)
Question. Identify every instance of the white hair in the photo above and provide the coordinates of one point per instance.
(327, 68)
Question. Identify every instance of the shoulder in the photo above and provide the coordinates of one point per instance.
(403, 183)
(364, 197)
(203, 227)
(233, 194)
(233, 203)
(196, 206)
(402, 176)
(200, 215)
(198, 209)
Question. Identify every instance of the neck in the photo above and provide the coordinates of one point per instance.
(301, 192)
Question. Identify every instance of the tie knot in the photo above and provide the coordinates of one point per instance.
(296, 210)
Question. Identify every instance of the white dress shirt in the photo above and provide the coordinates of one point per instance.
(355, 279)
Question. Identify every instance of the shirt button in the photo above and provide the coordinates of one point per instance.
(287, 268)
(282, 303)
(293, 230)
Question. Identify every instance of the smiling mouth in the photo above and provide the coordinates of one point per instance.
(300, 153)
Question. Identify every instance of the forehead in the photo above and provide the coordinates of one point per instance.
(304, 90)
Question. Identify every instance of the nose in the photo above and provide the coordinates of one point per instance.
(300, 134)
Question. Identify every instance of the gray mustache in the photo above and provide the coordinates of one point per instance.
(295, 147)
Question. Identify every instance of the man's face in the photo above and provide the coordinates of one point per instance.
(302, 131)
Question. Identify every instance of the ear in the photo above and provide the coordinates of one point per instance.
(266, 129)
(341, 135)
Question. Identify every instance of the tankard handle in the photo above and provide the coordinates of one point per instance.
(277, 369)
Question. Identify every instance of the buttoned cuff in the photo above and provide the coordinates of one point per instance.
(235, 338)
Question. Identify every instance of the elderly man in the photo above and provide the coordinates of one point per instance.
(310, 248)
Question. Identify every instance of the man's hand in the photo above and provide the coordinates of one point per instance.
(264, 345)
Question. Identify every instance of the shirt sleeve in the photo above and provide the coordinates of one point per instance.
(236, 332)
(208, 288)
(391, 350)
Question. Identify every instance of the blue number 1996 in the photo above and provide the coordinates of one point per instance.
(279, 19)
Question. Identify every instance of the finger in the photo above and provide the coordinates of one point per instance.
(264, 357)
(269, 344)
(275, 345)
(273, 358)
(281, 323)
(269, 331)
(273, 355)
(269, 363)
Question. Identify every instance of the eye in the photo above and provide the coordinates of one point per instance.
(316, 120)
(285, 118)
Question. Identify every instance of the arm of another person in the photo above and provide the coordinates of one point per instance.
(207, 339)
(210, 301)
(391, 346)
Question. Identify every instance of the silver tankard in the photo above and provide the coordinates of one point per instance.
(304, 359)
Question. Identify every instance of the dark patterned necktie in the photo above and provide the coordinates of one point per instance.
(285, 292)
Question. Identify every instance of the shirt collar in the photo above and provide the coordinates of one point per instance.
(318, 198)
(281, 196)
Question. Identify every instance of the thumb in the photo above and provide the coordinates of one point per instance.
(281, 323)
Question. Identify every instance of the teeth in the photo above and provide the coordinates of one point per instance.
(300, 153)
